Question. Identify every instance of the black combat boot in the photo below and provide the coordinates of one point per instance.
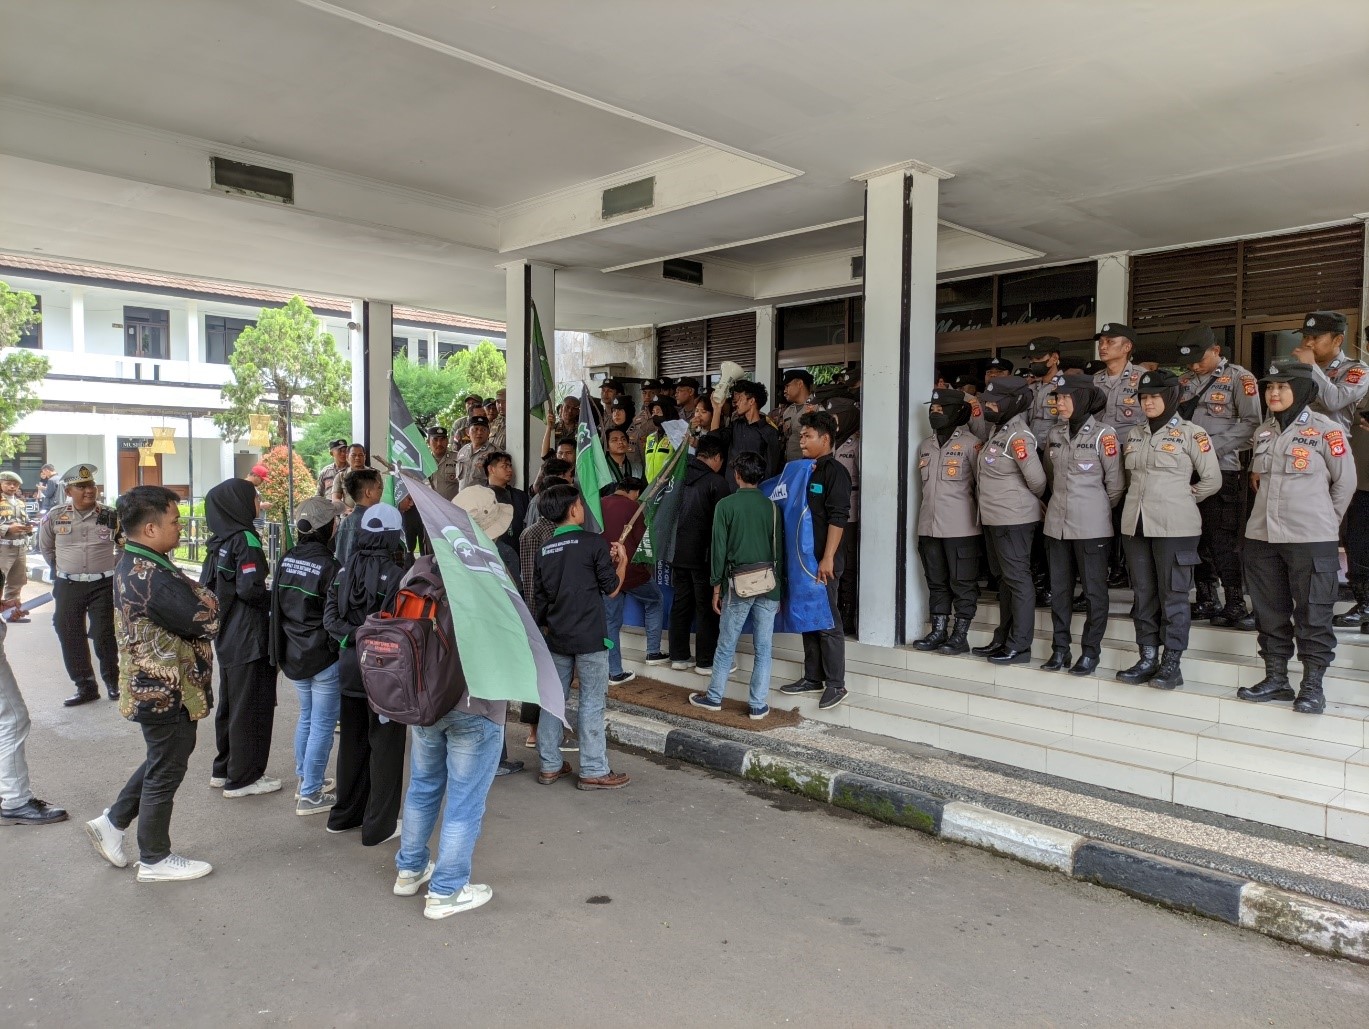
(1059, 661)
(1206, 605)
(1359, 614)
(956, 642)
(1169, 676)
(936, 637)
(1234, 615)
(1311, 700)
(1274, 685)
(1143, 670)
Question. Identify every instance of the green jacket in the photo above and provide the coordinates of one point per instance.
(747, 529)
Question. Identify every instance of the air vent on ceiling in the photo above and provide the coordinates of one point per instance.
(253, 181)
(682, 270)
(858, 266)
(630, 196)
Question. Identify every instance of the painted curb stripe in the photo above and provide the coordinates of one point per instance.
(700, 749)
(1027, 841)
(1175, 884)
(888, 802)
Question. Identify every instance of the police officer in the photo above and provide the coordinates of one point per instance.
(80, 542)
(16, 532)
(641, 426)
(948, 522)
(446, 477)
(1342, 383)
(470, 459)
(1043, 364)
(327, 478)
(1010, 480)
(1303, 476)
(1224, 399)
(1118, 380)
(1161, 525)
(1084, 464)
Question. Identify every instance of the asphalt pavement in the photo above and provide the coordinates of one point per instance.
(685, 899)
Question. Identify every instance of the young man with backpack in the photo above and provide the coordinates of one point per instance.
(574, 571)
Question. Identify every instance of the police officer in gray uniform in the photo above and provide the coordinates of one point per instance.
(1161, 525)
(1011, 480)
(948, 522)
(1084, 462)
(1303, 476)
(1118, 379)
(446, 477)
(1342, 383)
(328, 477)
(1224, 399)
(1043, 364)
(80, 542)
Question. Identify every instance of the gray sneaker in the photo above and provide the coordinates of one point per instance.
(315, 805)
(328, 785)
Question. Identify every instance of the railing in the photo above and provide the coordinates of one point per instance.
(195, 533)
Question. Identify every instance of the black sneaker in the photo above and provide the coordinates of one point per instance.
(831, 697)
(621, 677)
(657, 658)
(802, 686)
(35, 812)
(701, 700)
(508, 767)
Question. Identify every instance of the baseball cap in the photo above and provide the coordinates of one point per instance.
(1287, 371)
(260, 471)
(1000, 364)
(315, 513)
(947, 396)
(1044, 345)
(382, 518)
(802, 375)
(335, 444)
(478, 419)
(437, 432)
(688, 381)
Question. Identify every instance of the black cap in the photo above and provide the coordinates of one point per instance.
(1157, 381)
(650, 384)
(339, 442)
(947, 396)
(1006, 386)
(1116, 329)
(478, 419)
(437, 432)
(1044, 345)
(611, 384)
(966, 380)
(800, 374)
(1094, 367)
(1323, 321)
(476, 397)
(1195, 340)
(689, 381)
(620, 402)
(1287, 371)
(1000, 364)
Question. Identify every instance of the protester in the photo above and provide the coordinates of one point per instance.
(565, 450)
(621, 463)
(370, 761)
(235, 571)
(165, 624)
(499, 472)
(364, 489)
(357, 460)
(619, 508)
(692, 604)
(748, 431)
(530, 544)
(306, 652)
(574, 570)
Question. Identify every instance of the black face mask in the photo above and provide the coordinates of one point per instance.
(940, 420)
(1039, 369)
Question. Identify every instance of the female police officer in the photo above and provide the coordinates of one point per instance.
(1010, 481)
(1161, 525)
(948, 522)
(1085, 467)
(1303, 476)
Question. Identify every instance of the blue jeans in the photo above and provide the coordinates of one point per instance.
(457, 755)
(735, 610)
(319, 701)
(590, 718)
(653, 616)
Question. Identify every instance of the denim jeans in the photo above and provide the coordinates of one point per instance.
(649, 595)
(320, 698)
(457, 755)
(590, 719)
(735, 610)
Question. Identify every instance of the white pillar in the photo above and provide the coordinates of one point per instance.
(526, 284)
(897, 377)
(194, 347)
(1113, 288)
(377, 329)
(78, 321)
(357, 357)
(765, 351)
(411, 349)
(433, 362)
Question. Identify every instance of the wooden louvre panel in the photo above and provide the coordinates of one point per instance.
(680, 349)
(1321, 270)
(732, 338)
(1181, 287)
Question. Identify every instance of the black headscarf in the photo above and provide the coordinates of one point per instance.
(955, 412)
(229, 508)
(1304, 393)
(1012, 395)
(1170, 395)
(359, 589)
(1088, 400)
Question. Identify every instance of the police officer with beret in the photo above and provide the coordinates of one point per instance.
(80, 541)
(16, 531)
(1161, 525)
(328, 477)
(1224, 399)
(446, 477)
(1010, 480)
(1084, 464)
(1303, 476)
(470, 459)
(948, 522)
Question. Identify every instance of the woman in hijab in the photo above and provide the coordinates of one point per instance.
(1303, 476)
(235, 570)
(1085, 468)
(948, 522)
(370, 761)
(1171, 466)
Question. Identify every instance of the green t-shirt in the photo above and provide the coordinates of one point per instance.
(747, 529)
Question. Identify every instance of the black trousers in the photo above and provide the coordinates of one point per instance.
(1161, 570)
(824, 652)
(244, 720)
(848, 592)
(1356, 531)
(692, 606)
(151, 790)
(84, 611)
(1219, 547)
(1293, 591)
(414, 536)
(1088, 559)
(370, 772)
(1010, 559)
(951, 565)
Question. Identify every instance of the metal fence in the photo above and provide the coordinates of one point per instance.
(195, 533)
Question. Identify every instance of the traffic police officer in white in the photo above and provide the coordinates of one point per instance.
(80, 542)
(446, 477)
(1161, 525)
(1303, 476)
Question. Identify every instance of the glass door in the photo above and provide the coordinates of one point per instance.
(1268, 343)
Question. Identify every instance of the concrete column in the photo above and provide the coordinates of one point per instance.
(194, 344)
(78, 322)
(412, 349)
(765, 351)
(526, 284)
(897, 376)
(377, 329)
(1113, 288)
(357, 357)
(433, 361)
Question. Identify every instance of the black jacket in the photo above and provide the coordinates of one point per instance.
(373, 569)
(236, 571)
(761, 438)
(519, 499)
(703, 488)
(829, 500)
(303, 646)
(574, 574)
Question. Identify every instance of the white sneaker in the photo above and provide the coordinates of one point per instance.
(173, 868)
(681, 666)
(399, 828)
(109, 841)
(263, 785)
(472, 895)
(708, 670)
(217, 782)
(409, 883)
(328, 785)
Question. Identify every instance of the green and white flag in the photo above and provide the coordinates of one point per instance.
(591, 463)
(408, 447)
(661, 499)
(540, 404)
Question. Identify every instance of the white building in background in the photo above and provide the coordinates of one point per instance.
(130, 351)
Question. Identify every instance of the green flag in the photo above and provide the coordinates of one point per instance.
(408, 446)
(539, 383)
(661, 500)
(591, 465)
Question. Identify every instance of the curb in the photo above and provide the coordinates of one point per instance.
(1313, 924)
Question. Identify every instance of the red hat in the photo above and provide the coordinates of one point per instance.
(259, 470)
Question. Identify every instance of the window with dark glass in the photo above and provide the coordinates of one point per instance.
(1047, 294)
(964, 305)
(446, 350)
(423, 350)
(147, 333)
(399, 346)
(33, 336)
(221, 335)
(813, 325)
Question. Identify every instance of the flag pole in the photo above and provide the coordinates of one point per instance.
(661, 476)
